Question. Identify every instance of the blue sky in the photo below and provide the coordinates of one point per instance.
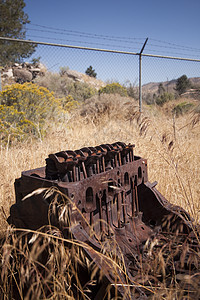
(171, 26)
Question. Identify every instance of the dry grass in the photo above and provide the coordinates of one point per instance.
(49, 264)
(171, 147)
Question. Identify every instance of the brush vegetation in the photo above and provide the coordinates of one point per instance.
(45, 264)
(26, 109)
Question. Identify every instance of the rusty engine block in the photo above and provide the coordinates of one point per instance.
(109, 192)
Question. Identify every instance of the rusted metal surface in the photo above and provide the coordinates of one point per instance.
(112, 200)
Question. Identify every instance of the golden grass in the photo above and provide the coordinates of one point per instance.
(172, 151)
(170, 146)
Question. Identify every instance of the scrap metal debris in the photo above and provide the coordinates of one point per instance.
(115, 209)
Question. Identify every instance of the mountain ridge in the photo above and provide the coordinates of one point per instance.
(152, 87)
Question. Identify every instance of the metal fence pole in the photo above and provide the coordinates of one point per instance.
(140, 76)
(0, 80)
(140, 83)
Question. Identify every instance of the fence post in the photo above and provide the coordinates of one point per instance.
(140, 76)
(0, 80)
(140, 83)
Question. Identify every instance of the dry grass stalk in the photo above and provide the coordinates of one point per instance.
(50, 264)
(174, 162)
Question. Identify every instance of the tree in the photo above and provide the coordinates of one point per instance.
(161, 89)
(163, 98)
(182, 84)
(91, 72)
(12, 25)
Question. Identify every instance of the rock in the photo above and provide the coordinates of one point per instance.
(8, 73)
(32, 69)
(83, 78)
(41, 67)
(29, 71)
(74, 75)
(23, 72)
(26, 65)
(22, 75)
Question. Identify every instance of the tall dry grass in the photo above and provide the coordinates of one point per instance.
(170, 145)
(50, 264)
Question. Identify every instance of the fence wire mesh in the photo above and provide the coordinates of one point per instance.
(112, 65)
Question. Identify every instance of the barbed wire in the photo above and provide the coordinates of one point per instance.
(176, 45)
(86, 33)
(79, 35)
(82, 42)
(171, 53)
(131, 43)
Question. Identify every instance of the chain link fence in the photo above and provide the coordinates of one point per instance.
(114, 66)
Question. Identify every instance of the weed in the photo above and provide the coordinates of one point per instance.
(173, 161)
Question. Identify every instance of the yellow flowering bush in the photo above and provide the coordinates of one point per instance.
(14, 125)
(68, 103)
(26, 108)
(36, 102)
(114, 88)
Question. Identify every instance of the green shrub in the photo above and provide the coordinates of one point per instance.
(62, 86)
(54, 83)
(165, 97)
(114, 88)
(182, 108)
(63, 70)
(91, 72)
(132, 91)
(182, 84)
(81, 91)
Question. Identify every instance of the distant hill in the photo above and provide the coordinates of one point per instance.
(169, 86)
